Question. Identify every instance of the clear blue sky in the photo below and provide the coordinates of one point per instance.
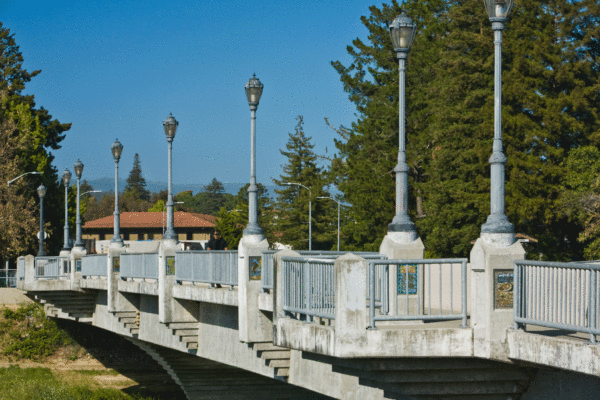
(117, 68)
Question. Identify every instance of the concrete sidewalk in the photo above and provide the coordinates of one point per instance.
(13, 296)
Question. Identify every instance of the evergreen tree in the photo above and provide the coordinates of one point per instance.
(37, 132)
(293, 201)
(212, 198)
(136, 184)
(550, 105)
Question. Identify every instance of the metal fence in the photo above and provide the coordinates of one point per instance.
(557, 295)
(214, 267)
(267, 273)
(308, 287)
(94, 265)
(8, 278)
(426, 290)
(139, 265)
(49, 267)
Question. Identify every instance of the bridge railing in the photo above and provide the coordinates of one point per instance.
(8, 278)
(139, 265)
(436, 299)
(94, 265)
(213, 267)
(308, 287)
(51, 267)
(267, 256)
(557, 295)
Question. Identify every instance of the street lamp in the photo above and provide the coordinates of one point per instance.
(78, 241)
(66, 178)
(253, 92)
(402, 32)
(41, 192)
(163, 219)
(170, 126)
(117, 148)
(309, 212)
(497, 223)
(22, 175)
(338, 229)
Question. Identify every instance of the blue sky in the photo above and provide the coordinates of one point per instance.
(116, 69)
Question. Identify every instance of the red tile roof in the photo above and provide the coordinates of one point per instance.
(153, 220)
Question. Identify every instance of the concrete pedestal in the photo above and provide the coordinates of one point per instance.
(254, 325)
(166, 279)
(112, 274)
(488, 320)
(395, 247)
(74, 258)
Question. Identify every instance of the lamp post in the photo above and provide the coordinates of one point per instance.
(402, 32)
(66, 178)
(170, 126)
(41, 192)
(338, 229)
(309, 212)
(78, 167)
(254, 90)
(22, 175)
(163, 219)
(497, 223)
(117, 149)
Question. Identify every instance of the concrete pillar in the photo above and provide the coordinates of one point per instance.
(29, 273)
(166, 280)
(112, 276)
(351, 313)
(75, 258)
(490, 323)
(277, 284)
(254, 325)
(394, 247)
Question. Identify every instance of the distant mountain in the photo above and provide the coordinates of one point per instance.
(107, 185)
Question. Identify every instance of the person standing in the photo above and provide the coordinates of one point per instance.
(216, 242)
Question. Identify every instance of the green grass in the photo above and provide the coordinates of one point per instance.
(41, 384)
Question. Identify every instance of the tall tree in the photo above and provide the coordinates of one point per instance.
(37, 132)
(136, 184)
(550, 105)
(212, 198)
(292, 204)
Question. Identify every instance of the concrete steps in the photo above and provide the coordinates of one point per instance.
(187, 333)
(130, 320)
(276, 357)
(440, 378)
(79, 306)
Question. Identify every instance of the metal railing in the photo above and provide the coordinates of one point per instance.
(214, 267)
(21, 269)
(94, 265)
(8, 278)
(557, 295)
(308, 287)
(139, 265)
(267, 256)
(49, 267)
(417, 284)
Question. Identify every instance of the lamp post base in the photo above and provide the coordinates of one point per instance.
(115, 243)
(170, 235)
(403, 229)
(253, 229)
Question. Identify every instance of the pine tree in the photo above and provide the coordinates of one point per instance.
(211, 198)
(550, 105)
(136, 184)
(37, 132)
(292, 206)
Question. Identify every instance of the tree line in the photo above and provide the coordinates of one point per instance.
(551, 131)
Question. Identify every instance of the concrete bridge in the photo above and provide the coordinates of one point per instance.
(260, 324)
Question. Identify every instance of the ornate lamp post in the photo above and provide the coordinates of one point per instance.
(41, 192)
(497, 222)
(402, 32)
(66, 178)
(254, 90)
(78, 241)
(116, 149)
(170, 125)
